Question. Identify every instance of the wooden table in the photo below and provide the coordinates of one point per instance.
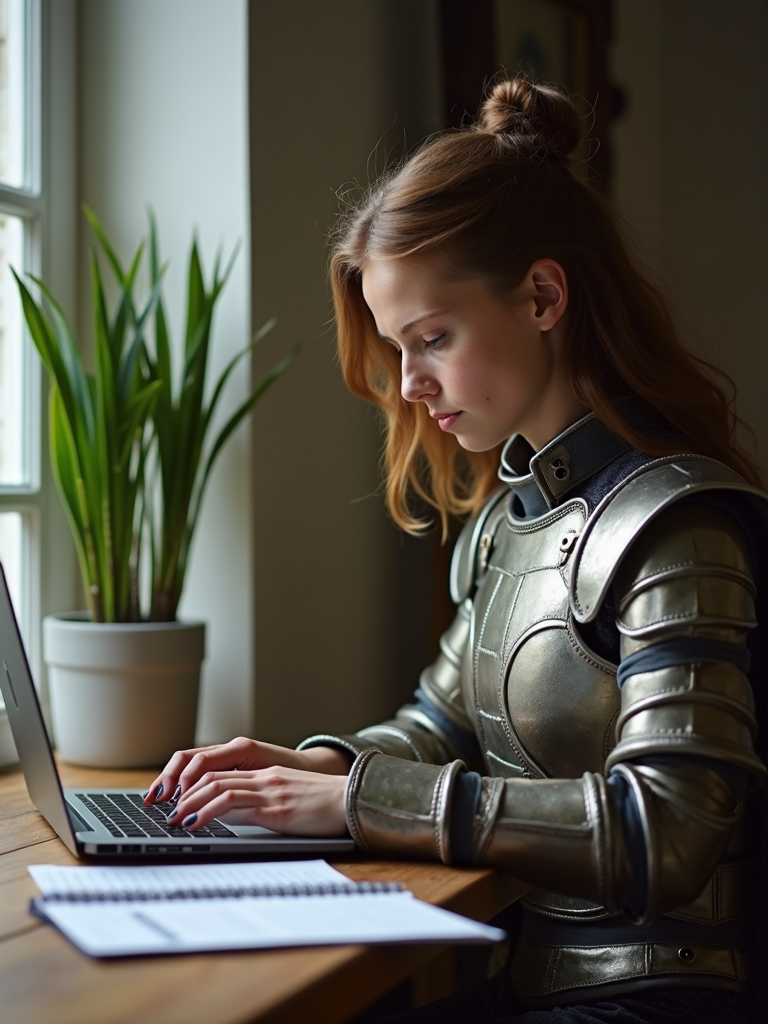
(45, 980)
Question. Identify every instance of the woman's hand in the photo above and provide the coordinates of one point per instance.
(283, 799)
(187, 767)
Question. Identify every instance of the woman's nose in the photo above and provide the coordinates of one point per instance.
(415, 384)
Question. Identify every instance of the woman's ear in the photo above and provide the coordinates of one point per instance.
(548, 286)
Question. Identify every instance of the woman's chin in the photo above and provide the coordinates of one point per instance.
(477, 444)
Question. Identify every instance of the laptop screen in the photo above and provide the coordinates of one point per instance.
(27, 725)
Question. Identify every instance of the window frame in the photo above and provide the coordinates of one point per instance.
(27, 203)
(46, 202)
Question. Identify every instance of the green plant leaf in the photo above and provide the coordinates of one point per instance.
(219, 282)
(68, 476)
(264, 330)
(130, 360)
(162, 368)
(236, 418)
(125, 314)
(80, 406)
(261, 333)
(197, 299)
(137, 412)
(115, 263)
(45, 341)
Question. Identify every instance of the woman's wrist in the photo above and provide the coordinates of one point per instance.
(327, 760)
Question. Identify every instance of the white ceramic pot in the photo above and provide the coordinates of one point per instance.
(123, 695)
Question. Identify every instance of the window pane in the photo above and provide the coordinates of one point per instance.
(12, 99)
(12, 340)
(11, 559)
(10, 555)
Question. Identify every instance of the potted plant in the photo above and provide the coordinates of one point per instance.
(132, 453)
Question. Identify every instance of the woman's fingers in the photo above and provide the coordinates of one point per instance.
(187, 767)
(283, 799)
(211, 777)
(165, 785)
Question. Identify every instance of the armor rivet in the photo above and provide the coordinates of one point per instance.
(686, 954)
(559, 469)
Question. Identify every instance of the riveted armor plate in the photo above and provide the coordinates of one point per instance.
(544, 705)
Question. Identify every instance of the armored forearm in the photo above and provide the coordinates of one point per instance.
(565, 835)
(436, 728)
(544, 830)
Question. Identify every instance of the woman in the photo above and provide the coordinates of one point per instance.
(486, 302)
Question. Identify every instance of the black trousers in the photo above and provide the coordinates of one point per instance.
(493, 1002)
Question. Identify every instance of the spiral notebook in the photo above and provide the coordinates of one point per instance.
(132, 911)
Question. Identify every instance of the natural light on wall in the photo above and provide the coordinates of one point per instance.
(12, 469)
(12, 390)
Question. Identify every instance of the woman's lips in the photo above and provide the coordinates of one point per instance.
(446, 421)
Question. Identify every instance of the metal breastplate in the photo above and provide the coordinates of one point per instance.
(543, 704)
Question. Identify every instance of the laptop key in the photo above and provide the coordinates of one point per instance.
(125, 814)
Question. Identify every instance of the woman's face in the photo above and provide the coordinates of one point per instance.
(485, 366)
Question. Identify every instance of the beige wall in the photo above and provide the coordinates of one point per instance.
(333, 88)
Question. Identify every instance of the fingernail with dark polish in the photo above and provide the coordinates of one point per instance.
(172, 814)
(176, 793)
(189, 820)
(159, 791)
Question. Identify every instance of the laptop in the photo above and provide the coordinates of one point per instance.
(107, 823)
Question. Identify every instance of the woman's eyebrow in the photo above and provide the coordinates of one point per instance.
(416, 320)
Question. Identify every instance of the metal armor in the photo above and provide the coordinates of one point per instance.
(621, 806)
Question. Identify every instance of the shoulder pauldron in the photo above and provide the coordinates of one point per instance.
(623, 514)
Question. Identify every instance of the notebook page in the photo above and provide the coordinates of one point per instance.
(186, 926)
(160, 879)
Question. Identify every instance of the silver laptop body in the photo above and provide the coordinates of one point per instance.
(92, 822)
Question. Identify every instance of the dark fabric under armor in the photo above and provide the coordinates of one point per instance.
(494, 1002)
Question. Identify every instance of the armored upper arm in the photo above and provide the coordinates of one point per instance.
(685, 604)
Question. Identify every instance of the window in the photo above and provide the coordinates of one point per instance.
(21, 212)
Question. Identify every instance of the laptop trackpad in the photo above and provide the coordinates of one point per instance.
(237, 820)
(233, 818)
(254, 832)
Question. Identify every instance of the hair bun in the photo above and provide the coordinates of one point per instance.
(539, 118)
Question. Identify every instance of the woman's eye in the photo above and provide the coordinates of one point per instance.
(436, 343)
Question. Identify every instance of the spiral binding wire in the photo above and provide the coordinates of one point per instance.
(233, 892)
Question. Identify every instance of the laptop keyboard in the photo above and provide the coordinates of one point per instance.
(126, 814)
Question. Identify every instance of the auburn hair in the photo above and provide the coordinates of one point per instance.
(488, 201)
